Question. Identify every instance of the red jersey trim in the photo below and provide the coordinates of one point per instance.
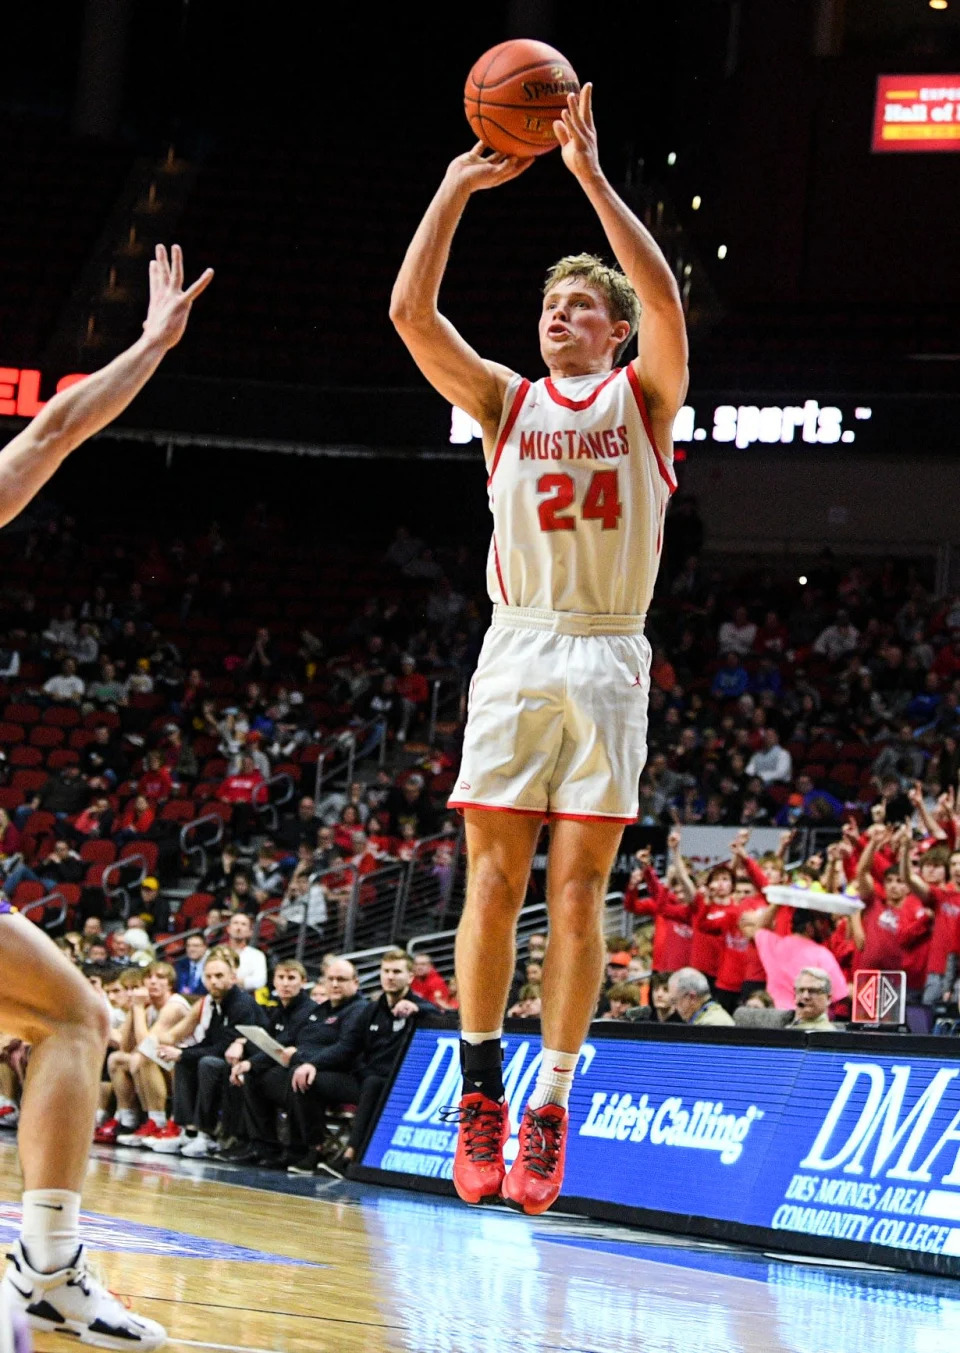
(590, 817)
(544, 813)
(666, 474)
(496, 808)
(578, 404)
(512, 416)
(496, 562)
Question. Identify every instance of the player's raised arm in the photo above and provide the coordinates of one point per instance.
(447, 360)
(28, 461)
(662, 335)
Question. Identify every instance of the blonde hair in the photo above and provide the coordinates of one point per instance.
(221, 954)
(622, 301)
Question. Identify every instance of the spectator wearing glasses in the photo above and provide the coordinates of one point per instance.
(812, 996)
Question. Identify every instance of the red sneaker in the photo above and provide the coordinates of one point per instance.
(537, 1173)
(107, 1133)
(147, 1130)
(478, 1167)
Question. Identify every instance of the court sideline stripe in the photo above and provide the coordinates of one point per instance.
(261, 1310)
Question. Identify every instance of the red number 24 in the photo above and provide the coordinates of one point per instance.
(601, 501)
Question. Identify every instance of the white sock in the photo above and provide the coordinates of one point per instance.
(554, 1078)
(474, 1039)
(50, 1232)
(158, 1116)
(127, 1118)
(101, 1117)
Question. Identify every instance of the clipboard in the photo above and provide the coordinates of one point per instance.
(148, 1046)
(262, 1040)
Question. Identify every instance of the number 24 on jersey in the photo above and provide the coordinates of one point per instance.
(601, 502)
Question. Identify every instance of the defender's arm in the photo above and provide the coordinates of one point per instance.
(28, 461)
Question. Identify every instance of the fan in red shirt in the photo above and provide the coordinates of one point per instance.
(156, 781)
(944, 897)
(893, 931)
(428, 984)
(136, 819)
(241, 790)
(709, 905)
(672, 931)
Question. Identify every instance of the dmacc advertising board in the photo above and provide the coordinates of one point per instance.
(841, 1151)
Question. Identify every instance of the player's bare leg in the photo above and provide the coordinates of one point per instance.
(500, 849)
(46, 1002)
(578, 868)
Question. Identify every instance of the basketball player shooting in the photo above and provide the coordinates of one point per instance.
(579, 476)
(43, 999)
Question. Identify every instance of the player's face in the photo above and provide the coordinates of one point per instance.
(287, 982)
(576, 328)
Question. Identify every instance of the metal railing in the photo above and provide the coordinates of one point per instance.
(126, 880)
(446, 694)
(191, 843)
(433, 872)
(42, 906)
(275, 792)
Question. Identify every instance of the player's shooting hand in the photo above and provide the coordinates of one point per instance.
(482, 167)
(577, 135)
(303, 1077)
(169, 304)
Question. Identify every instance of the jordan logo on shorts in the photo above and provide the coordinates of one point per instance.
(638, 681)
(464, 785)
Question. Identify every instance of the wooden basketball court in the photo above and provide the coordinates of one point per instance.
(262, 1263)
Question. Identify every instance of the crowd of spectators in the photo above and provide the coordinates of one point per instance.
(144, 687)
(151, 695)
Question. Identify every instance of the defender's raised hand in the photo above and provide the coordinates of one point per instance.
(578, 136)
(169, 303)
(482, 167)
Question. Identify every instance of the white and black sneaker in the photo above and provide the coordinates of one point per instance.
(71, 1301)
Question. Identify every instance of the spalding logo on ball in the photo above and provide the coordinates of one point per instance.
(515, 93)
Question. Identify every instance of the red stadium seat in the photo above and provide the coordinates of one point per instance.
(178, 810)
(93, 878)
(193, 910)
(28, 891)
(63, 756)
(214, 769)
(23, 755)
(10, 798)
(26, 714)
(29, 780)
(148, 850)
(62, 716)
(43, 735)
(102, 716)
(98, 852)
(80, 738)
(11, 733)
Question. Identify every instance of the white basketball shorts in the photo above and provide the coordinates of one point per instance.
(557, 716)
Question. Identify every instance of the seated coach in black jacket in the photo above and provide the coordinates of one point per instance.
(256, 1078)
(379, 1034)
(326, 1039)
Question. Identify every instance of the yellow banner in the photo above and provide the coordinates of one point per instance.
(943, 132)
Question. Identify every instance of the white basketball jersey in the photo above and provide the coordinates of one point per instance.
(578, 492)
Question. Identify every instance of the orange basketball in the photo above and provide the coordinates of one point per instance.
(515, 93)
